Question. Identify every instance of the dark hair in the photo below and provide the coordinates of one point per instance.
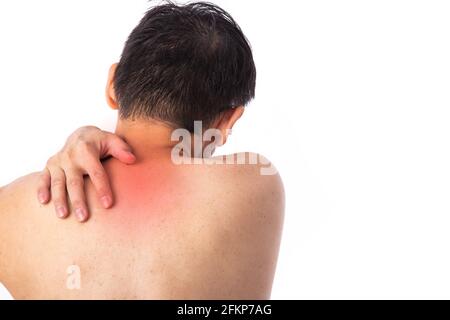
(183, 63)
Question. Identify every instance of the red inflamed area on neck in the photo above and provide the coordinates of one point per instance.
(145, 193)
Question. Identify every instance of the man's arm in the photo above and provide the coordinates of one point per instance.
(262, 201)
(2, 222)
(4, 233)
(11, 235)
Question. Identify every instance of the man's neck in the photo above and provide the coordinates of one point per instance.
(147, 138)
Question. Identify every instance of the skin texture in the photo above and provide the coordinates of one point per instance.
(175, 232)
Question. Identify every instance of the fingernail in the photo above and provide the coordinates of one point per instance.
(79, 213)
(106, 201)
(42, 197)
(61, 212)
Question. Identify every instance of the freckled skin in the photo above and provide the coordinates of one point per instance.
(175, 232)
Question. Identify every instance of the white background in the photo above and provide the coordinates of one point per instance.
(353, 107)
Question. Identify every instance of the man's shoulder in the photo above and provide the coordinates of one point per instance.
(249, 167)
(246, 179)
(247, 202)
(15, 199)
(18, 187)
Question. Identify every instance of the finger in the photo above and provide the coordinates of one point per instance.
(119, 149)
(100, 180)
(43, 190)
(58, 191)
(75, 189)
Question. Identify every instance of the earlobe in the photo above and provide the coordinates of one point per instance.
(110, 93)
(237, 114)
(229, 120)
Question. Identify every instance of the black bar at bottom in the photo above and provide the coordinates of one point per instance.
(228, 309)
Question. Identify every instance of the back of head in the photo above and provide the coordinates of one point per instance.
(183, 63)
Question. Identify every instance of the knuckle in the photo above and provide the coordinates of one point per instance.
(89, 129)
(78, 132)
(81, 138)
(50, 161)
(80, 147)
(66, 158)
(43, 177)
(54, 161)
(74, 182)
(58, 182)
(99, 174)
(83, 147)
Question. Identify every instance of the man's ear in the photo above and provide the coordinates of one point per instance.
(110, 93)
(226, 121)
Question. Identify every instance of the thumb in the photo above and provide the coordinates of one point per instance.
(118, 148)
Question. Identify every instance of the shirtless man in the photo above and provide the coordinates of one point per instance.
(158, 229)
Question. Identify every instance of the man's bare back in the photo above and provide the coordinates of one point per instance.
(175, 232)
(196, 231)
